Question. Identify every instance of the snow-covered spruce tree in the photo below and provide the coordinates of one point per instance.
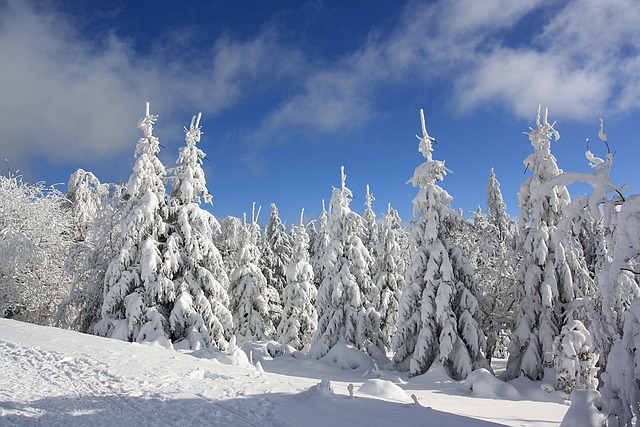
(299, 316)
(370, 237)
(229, 241)
(138, 290)
(319, 246)
(438, 305)
(36, 229)
(347, 296)
(545, 286)
(389, 273)
(276, 253)
(495, 265)
(249, 293)
(200, 316)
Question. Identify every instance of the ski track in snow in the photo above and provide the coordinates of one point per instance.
(52, 377)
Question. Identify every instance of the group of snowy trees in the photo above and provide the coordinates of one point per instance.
(557, 292)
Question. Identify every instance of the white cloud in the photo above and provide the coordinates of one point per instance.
(66, 98)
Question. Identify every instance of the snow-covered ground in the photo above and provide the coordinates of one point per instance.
(52, 377)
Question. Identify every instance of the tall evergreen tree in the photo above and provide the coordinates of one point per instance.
(544, 284)
(347, 296)
(319, 246)
(200, 316)
(438, 306)
(249, 293)
(138, 288)
(299, 316)
(276, 254)
(389, 274)
(370, 238)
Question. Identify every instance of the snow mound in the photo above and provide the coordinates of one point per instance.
(348, 357)
(484, 384)
(232, 356)
(585, 410)
(383, 388)
(322, 390)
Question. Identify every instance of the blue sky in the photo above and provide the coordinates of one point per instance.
(290, 91)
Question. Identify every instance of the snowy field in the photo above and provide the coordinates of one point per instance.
(55, 377)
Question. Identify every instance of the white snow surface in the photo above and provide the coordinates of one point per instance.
(56, 377)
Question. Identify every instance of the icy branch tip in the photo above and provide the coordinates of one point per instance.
(343, 176)
(147, 109)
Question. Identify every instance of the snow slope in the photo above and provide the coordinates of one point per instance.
(57, 377)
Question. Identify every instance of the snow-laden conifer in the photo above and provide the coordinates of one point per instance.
(389, 272)
(229, 241)
(200, 316)
(276, 253)
(544, 285)
(249, 293)
(138, 287)
(319, 246)
(299, 316)
(370, 237)
(438, 306)
(347, 296)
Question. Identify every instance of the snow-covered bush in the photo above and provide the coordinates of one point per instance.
(36, 229)
(574, 360)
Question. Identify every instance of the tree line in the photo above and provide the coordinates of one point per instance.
(555, 292)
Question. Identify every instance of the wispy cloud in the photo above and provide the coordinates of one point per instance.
(68, 98)
(64, 97)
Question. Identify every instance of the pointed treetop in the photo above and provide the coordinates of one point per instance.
(146, 123)
(343, 177)
(541, 136)
(425, 146)
(195, 131)
(302, 217)
(369, 198)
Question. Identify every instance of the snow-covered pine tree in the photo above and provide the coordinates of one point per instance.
(229, 241)
(276, 253)
(299, 316)
(347, 296)
(389, 274)
(249, 294)
(319, 246)
(438, 305)
(544, 283)
(200, 316)
(138, 290)
(370, 238)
